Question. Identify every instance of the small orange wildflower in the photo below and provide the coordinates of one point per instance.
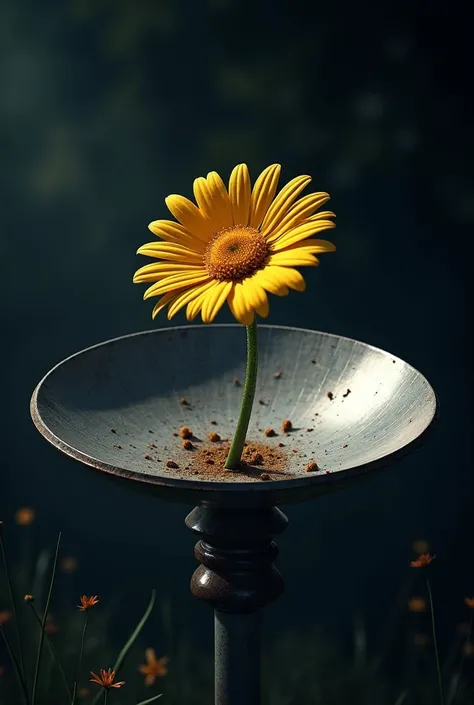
(469, 602)
(154, 667)
(5, 616)
(423, 560)
(106, 679)
(25, 516)
(417, 604)
(87, 602)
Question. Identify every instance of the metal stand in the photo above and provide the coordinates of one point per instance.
(237, 578)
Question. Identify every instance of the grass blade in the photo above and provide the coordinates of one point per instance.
(16, 665)
(21, 663)
(43, 622)
(131, 641)
(52, 650)
(81, 654)
(150, 700)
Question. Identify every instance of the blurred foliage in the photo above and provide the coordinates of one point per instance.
(301, 669)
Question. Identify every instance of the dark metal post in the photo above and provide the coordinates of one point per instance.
(236, 577)
(237, 658)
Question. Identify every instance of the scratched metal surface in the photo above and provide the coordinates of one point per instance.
(133, 385)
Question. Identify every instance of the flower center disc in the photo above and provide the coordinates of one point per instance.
(235, 253)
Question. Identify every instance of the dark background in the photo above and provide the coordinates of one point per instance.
(106, 108)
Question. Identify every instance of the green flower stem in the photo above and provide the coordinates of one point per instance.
(136, 632)
(106, 695)
(237, 446)
(81, 653)
(43, 624)
(52, 650)
(16, 665)
(433, 627)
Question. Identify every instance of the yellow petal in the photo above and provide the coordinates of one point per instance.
(312, 247)
(254, 293)
(175, 232)
(195, 306)
(273, 285)
(264, 309)
(322, 215)
(238, 305)
(161, 303)
(214, 300)
(298, 213)
(293, 259)
(301, 232)
(263, 192)
(175, 281)
(239, 192)
(286, 275)
(283, 202)
(157, 270)
(184, 297)
(190, 216)
(170, 251)
(213, 201)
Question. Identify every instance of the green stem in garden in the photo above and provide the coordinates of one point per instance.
(11, 596)
(237, 445)
(81, 653)
(122, 655)
(433, 627)
(461, 665)
(52, 650)
(43, 623)
(16, 665)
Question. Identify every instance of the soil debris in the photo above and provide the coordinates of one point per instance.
(214, 437)
(347, 393)
(269, 432)
(185, 432)
(187, 445)
(286, 426)
(330, 396)
(171, 464)
(312, 466)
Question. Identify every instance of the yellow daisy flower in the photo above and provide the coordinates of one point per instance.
(235, 245)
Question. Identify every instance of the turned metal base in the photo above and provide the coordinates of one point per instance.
(237, 578)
